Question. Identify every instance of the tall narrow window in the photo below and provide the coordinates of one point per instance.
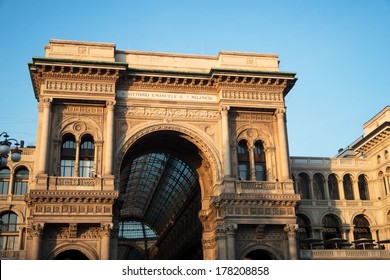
(260, 166)
(330, 229)
(4, 180)
(21, 181)
(87, 152)
(363, 187)
(9, 235)
(361, 228)
(243, 161)
(333, 185)
(303, 183)
(348, 187)
(68, 156)
(318, 186)
(304, 230)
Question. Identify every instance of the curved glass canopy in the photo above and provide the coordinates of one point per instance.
(155, 191)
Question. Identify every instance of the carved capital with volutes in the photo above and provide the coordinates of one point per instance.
(291, 230)
(35, 230)
(106, 229)
(231, 229)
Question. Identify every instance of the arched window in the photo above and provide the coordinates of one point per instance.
(386, 154)
(243, 160)
(304, 230)
(260, 166)
(68, 155)
(87, 153)
(9, 235)
(330, 229)
(4, 180)
(378, 159)
(348, 187)
(382, 178)
(303, 182)
(363, 187)
(333, 185)
(361, 228)
(318, 186)
(21, 181)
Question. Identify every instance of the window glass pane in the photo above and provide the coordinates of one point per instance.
(86, 168)
(260, 172)
(67, 168)
(4, 181)
(4, 186)
(243, 171)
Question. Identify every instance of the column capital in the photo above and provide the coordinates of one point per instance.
(291, 229)
(230, 229)
(280, 112)
(224, 110)
(35, 230)
(220, 233)
(110, 104)
(106, 229)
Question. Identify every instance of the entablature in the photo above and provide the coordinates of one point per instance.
(56, 77)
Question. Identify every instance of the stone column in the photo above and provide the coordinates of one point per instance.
(231, 241)
(355, 187)
(252, 166)
(270, 163)
(105, 243)
(341, 189)
(326, 189)
(109, 141)
(311, 189)
(45, 130)
(226, 141)
(35, 233)
(77, 159)
(283, 151)
(290, 229)
(220, 237)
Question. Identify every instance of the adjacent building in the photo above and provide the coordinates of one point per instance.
(143, 155)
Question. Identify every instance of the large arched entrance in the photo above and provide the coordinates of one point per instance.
(71, 255)
(160, 198)
(259, 255)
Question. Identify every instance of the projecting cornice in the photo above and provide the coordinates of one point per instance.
(213, 82)
(373, 139)
(65, 75)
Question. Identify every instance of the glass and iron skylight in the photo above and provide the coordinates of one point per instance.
(157, 188)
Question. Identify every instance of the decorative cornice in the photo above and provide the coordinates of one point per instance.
(77, 74)
(48, 196)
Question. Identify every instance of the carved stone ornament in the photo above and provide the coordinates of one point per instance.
(35, 230)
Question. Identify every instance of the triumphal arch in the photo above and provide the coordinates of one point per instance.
(144, 155)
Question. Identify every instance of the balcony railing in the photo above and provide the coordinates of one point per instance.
(349, 254)
(12, 255)
(83, 182)
(265, 187)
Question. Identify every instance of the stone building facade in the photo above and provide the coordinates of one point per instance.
(146, 155)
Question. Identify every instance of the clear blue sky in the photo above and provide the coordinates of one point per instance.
(340, 50)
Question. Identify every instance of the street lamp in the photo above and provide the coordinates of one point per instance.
(5, 149)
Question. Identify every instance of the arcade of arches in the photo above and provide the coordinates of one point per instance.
(165, 156)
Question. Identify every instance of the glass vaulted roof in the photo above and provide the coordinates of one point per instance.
(157, 188)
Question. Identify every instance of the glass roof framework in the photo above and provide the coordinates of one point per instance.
(157, 188)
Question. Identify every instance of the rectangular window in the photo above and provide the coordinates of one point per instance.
(67, 168)
(86, 168)
(243, 171)
(260, 172)
(8, 243)
(4, 187)
(20, 188)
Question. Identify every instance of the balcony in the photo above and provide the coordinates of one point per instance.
(348, 254)
(12, 255)
(264, 187)
(81, 183)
